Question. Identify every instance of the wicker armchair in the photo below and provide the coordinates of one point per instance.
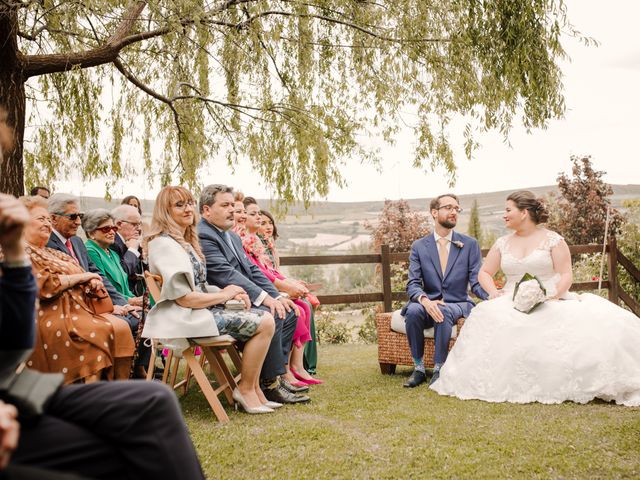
(393, 347)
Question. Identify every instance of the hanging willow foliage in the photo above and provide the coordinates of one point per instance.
(291, 85)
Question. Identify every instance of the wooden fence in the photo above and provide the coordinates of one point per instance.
(615, 259)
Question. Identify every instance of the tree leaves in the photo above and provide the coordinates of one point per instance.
(293, 86)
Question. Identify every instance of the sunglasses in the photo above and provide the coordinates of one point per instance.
(107, 229)
(72, 216)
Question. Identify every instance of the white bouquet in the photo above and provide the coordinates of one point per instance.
(529, 293)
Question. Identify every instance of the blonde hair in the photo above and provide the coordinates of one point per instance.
(163, 223)
(34, 201)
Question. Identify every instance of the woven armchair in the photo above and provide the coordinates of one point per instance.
(393, 347)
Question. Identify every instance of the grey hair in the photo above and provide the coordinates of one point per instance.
(208, 195)
(93, 218)
(58, 202)
(122, 212)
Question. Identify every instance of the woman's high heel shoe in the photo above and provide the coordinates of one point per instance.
(237, 396)
(308, 381)
(272, 405)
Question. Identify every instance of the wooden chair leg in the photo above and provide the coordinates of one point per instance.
(205, 386)
(175, 367)
(167, 366)
(218, 372)
(234, 354)
(152, 364)
(225, 369)
(387, 368)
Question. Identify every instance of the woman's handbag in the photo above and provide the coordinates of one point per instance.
(99, 301)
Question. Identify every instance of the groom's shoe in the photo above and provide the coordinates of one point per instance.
(416, 378)
(434, 377)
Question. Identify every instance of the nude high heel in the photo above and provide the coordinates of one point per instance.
(237, 396)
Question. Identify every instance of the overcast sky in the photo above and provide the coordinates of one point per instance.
(603, 120)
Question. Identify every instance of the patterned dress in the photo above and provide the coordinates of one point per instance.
(70, 338)
(240, 324)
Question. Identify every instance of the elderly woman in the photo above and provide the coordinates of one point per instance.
(188, 308)
(71, 338)
(101, 232)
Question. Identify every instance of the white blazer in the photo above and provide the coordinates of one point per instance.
(168, 321)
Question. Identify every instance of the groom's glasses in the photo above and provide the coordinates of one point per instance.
(450, 208)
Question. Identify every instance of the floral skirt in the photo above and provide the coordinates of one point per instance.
(241, 325)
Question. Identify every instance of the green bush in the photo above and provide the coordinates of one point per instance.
(329, 330)
(368, 332)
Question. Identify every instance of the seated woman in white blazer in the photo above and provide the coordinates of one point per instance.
(187, 308)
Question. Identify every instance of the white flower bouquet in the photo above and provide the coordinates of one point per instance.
(529, 293)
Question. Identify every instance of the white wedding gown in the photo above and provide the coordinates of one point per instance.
(577, 349)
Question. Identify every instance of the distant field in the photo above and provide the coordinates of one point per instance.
(327, 227)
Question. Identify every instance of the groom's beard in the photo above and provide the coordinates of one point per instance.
(447, 223)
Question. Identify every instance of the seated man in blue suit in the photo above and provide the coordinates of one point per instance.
(66, 219)
(227, 264)
(442, 265)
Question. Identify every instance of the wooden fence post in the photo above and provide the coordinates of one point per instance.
(386, 277)
(612, 270)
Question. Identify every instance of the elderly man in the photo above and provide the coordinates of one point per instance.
(127, 244)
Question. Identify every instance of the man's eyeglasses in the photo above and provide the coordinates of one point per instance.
(184, 205)
(450, 208)
(107, 229)
(72, 216)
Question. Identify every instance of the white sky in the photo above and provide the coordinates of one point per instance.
(603, 119)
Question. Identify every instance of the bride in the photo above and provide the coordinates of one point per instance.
(572, 347)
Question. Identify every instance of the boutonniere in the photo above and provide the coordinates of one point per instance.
(457, 243)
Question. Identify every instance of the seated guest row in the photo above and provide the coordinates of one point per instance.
(86, 347)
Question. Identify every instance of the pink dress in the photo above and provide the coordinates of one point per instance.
(254, 249)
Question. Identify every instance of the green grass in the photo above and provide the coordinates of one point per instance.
(361, 424)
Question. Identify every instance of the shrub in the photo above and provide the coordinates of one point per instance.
(368, 332)
(329, 330)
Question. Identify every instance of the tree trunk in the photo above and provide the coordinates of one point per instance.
(12, 100)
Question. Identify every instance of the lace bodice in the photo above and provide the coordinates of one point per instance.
(538, 262)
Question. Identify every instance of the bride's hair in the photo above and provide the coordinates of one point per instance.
(526, 200)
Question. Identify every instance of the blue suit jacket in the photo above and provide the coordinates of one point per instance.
(426, 276)
(85, 262)
(223, 268)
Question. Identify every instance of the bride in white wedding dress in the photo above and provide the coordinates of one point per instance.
(572, 347)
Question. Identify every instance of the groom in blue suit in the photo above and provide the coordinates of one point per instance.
(442, 266)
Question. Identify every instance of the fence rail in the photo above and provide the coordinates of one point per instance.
(385, 259)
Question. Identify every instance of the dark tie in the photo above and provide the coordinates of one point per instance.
(227, 238)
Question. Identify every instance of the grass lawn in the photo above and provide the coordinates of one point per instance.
(361, 424)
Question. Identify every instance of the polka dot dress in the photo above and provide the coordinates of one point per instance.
(70, 339)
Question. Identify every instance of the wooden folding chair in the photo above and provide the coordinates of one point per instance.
(211, 351)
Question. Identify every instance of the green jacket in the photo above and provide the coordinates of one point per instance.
(109, 264)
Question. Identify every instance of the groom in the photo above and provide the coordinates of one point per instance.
(441, 267)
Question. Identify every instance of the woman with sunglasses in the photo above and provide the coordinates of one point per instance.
(70, 338)
(101, 232)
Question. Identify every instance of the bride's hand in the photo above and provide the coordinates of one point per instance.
(496, 294)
